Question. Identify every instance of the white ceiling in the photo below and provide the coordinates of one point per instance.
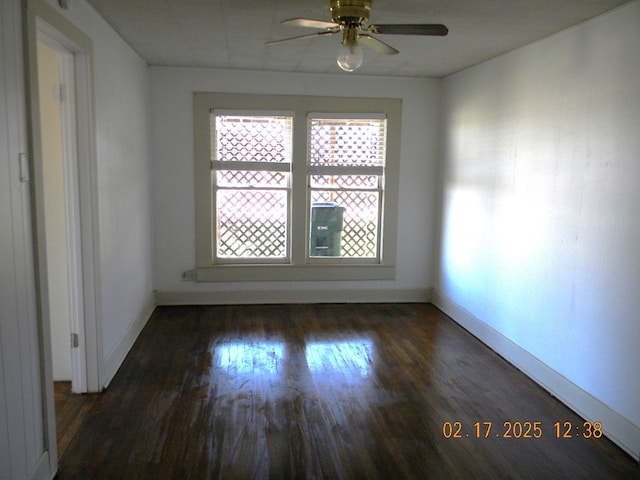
(231, 34)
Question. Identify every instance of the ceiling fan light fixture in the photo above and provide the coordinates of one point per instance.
(350, 54)
(350, 57)
(351, 17)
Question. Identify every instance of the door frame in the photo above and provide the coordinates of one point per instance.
(70, 189)
(42, 19)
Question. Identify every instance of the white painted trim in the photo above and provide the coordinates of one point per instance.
(253, 297)
(114, 359)
(41, 469)
(72, 210)
(315, 269)
(251, 166)
(72, 206)
(204, 103)
(621, 431)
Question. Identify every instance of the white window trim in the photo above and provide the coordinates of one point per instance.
(299, 267)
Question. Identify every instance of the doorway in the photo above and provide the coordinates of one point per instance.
(65, 198)
(65, 208)
(61, 209)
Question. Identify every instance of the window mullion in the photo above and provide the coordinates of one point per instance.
(250, 187)
(251, 166)
(344, 189)
(299, 197)
(345, 170)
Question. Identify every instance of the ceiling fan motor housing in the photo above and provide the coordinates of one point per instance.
(353, 13)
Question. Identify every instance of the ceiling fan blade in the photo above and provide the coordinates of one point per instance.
(377, 45)
(410, 29)
(309, 23)
(300, 37)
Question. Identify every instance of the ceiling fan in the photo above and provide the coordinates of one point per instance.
(350, 17)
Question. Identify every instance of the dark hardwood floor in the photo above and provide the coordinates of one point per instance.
(322, 392)
(70, 413)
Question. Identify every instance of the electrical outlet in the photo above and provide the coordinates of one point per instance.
(189, 276)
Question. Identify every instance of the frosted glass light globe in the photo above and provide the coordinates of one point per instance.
(350, 57)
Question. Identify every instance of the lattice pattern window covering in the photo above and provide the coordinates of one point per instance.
(346, 166)
(252, 164)
(346, 141)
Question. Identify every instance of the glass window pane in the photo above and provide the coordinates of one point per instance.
(344, 224)
(252, 205)
(251, 138)
(347, 142)
(251, 223)
(345, 181)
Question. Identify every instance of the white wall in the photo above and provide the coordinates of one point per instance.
(540, 229)
(172, 140)
(23, 452)
(27, 441)
(121, 87)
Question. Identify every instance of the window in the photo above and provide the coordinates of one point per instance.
(251, 184)
(295, 187)
(346, 158)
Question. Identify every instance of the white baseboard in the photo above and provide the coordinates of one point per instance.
(408, 295)
(115, 358)
(621, 431)
(42, 469)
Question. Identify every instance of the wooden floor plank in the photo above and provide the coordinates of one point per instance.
(70, 412)
(322, 392)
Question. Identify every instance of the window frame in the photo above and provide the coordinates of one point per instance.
(327, 170)
(299, 267)
(220, 165)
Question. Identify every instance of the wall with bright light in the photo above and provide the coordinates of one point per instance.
(540, 232)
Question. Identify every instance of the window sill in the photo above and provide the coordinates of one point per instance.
(267, 273)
